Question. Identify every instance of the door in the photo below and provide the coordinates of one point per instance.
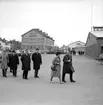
(101, 49)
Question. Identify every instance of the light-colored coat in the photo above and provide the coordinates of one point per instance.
(56, 62)
(4, 61)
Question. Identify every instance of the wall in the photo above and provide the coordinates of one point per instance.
(32, 39)
(100, 43)
(92, 51)
(91, 40)
(48, 44)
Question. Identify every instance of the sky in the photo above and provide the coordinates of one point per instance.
(66, 21)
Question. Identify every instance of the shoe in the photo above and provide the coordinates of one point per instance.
(64, 81)
(5, 76)
(26, 78)
(73, 81)
(36, 76)
(61, 82)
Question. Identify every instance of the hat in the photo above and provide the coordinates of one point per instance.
(13, 51)
(58, 53)
(37, 48)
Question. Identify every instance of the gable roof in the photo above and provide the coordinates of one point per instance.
(76, 42)
(98, 34)
(39, 31)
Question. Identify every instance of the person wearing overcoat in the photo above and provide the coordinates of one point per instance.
(37, 61)
(57, 67)
(9, 56)
(26, 64)
(4, 63)
(67, 67)
(14, 63)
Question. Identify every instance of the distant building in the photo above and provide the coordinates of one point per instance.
(94, 43)
(77, 46)
(36, 38)
(64, 48)
(4, 45)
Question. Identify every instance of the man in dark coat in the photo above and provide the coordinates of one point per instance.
(9, 64)
(37, 61)
(14, 63)
(26, 62)
(67, 67)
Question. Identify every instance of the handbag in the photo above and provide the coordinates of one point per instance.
(72, 68)
(53, 68)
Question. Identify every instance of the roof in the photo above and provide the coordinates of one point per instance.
(98, 34)
(76, 42)
(39, 31)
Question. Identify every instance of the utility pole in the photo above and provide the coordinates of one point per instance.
(91, 17)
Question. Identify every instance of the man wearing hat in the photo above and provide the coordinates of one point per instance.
(67, 66)
(14, 63)
(37, 61)
(26, 64)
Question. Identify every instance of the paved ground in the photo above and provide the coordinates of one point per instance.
(88, 89)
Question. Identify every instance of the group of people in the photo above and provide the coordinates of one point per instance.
(67, 67)
(81, 52)
(11, 60)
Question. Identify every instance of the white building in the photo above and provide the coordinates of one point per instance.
(4, 45)
(77, 46)
(36, 38)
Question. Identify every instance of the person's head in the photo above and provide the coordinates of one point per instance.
(69, 51)
(13, 52)
(57, 53)
(26, 51)
(22, 51)
(37, 49)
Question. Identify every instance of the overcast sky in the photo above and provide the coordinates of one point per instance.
(64, 20)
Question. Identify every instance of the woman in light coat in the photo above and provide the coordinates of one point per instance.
(4, 63)
(57, 64)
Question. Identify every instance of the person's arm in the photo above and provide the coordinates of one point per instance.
(17, 59)
(40, 59)
(65, 59)
(22, 58)
(29, 58)
(32, 57)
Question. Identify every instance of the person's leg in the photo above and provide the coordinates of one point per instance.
(60, 80)
(51, 78)
(5, 70)
(23, 76)
(71, 77)
(13, 72)
(36, 73)
(16, 72)
(26, 74)
(11, 69)
(63, 77)
(3, 73)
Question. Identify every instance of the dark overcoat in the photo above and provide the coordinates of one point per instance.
(14, 61)
(67, 66)
(26, 62)
(37, 61)
(9, 56)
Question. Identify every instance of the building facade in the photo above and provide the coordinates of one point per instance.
(94, 43)
(4, 45)
(35, 38)
(77, 46)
